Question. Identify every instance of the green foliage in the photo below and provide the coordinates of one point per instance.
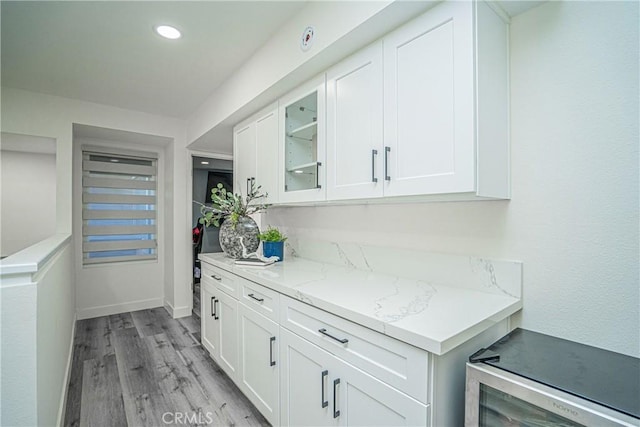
(272, 235)
(225, 205)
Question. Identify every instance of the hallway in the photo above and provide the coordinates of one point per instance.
(146, 369)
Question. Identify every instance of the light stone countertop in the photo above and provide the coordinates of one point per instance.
(425, 313)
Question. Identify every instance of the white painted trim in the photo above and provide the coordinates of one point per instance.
(33, 258)
(210, 154)
(105, 310)
(67, 376)
(178, 312)
(181, 312)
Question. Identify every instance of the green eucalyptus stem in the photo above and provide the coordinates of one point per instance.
(225, 205)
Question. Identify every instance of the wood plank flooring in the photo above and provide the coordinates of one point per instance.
(146, 369)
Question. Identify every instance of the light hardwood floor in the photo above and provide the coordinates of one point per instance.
(146, 369)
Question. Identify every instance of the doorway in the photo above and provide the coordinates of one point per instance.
(207, 173)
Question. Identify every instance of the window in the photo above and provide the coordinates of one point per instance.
(118, 207)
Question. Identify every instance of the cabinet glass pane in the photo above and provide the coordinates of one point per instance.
(301, 144)
(501, 409)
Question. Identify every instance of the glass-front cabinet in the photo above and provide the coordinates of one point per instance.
(302, 150)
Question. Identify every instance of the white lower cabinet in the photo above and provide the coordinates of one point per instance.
(302, 366)
(210, 333)
(258, 369)
(318, 388)
(219, 326)
(228, 323)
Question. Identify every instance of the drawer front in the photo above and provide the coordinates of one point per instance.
(223, 280)
(263, 300)
(396, 363)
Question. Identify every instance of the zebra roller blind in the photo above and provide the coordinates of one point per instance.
(119, 220)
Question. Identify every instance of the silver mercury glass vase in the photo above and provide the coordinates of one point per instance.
(230, 235)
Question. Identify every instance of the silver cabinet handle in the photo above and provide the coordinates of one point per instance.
(374, 153)
(255, 298)
(336, 411)
(324, 374)
(323, 331)
(318, 164)
(387, 150)
(271, 361)
(248, 183)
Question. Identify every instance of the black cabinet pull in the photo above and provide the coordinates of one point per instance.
(324, 374)
(374, 153)
(271, 361)
(318, 164)
(218, 278)
(323, 331)
(387, 150)
(215, 309)
(248, 183)
(336, 411)
(255, 298)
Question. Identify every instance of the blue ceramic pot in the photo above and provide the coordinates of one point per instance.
(273, 249)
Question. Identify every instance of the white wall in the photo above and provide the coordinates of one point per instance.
(30, 113)
(574, 215)
(37, 299)
(124, 286)
(28, 188)
(54, 332)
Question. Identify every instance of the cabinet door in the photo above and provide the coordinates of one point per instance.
(267, 154)
(244, 157)
(306, 373)
(228, 323)
(429, 103)
(210, 331)
(303, 143)
(354, 126)
(259, 362)
(366, 401)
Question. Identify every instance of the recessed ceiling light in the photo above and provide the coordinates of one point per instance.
(168, 32)
(298, 171)
(204, 163)
(115, 160)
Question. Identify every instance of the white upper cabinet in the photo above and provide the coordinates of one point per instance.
(244, 156)
(421, 112)
(354, 126)
(267, 153)
(255, 154)
(303, 144)
(440, 136)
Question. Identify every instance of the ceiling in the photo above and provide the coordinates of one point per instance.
(106, 52)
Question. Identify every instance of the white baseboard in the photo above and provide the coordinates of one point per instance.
(105, 310)
(177, 312)
(67, 376)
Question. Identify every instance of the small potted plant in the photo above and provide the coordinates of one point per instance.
(273, 243)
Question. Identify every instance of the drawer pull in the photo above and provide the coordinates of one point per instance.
(271, 361)
(323, 331)
(218, 278)
(215, 309)
(255, 298)
(336, 411)
(324, 374)
(213, 313)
